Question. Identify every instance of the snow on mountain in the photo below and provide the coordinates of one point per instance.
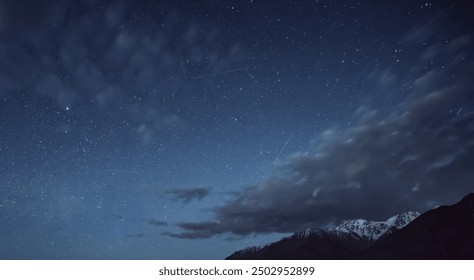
(350, 235)
(442, 233)
(367, 230)
(373, 230)
(402, 220)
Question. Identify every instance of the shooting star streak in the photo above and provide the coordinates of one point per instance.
(457, 114)
(284, 146)
(219, 73)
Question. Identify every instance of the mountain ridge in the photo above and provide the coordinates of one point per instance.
(446, 232)
(350, 235)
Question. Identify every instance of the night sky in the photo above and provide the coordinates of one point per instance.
(191, 129)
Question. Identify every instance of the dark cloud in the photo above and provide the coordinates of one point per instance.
(415, 158)
(188, 194)
(157, 223)
(195, 230)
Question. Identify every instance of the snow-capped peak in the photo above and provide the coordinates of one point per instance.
(365, 229)
(368, 230)
(371, 230)
(402, 220)
(308, 232)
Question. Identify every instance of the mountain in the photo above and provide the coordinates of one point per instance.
(372, 231)
(446, 232)
(341, 242)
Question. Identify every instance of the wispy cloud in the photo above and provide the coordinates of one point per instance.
(188, 194)
(412, 159)
(157, 223)
(136, 69)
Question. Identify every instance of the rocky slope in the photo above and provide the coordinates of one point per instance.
(446, 232)
(341, 242)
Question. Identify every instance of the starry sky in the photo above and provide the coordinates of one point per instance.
(191, 129)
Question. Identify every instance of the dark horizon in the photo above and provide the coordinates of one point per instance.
(184, 130)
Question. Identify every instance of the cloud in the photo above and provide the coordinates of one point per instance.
(195, 230)
(415, 158)
(135, 69)
(386, 79)
(421, 34)
(459, 44)
(157, 223)
(188, 194)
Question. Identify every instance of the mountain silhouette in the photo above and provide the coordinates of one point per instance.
(446, 232)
